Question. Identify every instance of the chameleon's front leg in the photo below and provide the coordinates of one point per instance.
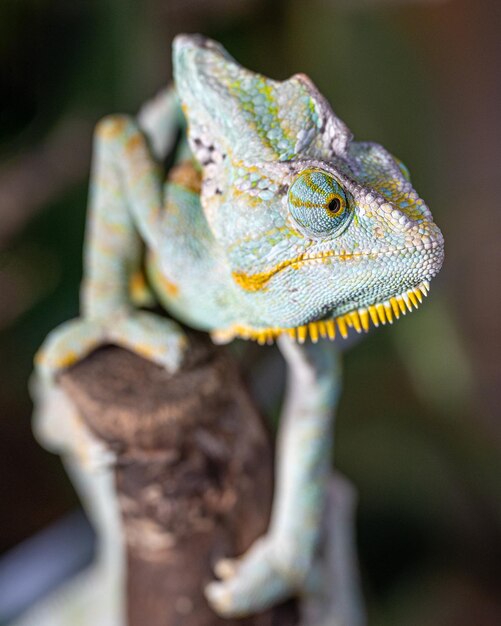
(277, 565)
(125, 208)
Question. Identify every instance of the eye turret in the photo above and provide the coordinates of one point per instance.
(318, 204)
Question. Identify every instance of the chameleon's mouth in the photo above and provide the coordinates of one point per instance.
(358, 319)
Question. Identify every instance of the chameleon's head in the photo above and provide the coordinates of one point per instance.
(315, 227)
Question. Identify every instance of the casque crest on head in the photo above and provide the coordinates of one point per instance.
(248, 115)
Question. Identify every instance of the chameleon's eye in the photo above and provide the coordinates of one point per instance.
(318, 203)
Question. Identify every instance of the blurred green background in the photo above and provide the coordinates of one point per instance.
(419, 429)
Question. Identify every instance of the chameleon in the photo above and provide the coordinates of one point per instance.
(273, 224)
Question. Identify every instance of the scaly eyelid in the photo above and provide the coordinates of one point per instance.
(309, 197)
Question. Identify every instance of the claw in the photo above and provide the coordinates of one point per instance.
(225, 568)
(218, 597)
(254, 582)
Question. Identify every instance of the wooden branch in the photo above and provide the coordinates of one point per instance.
(193, 474)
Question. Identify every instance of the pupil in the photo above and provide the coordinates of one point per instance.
(334, 205)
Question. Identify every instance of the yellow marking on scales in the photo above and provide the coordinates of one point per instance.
(256, 282)
(358, 319)
(111, 127)
(134, 142)
(298, 202)
(311, 184)
(331, 329)
(69, 358)
(186, 175)
(139, 290)
(364, 318)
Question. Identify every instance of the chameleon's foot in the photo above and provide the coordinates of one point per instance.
(153, 337)
(66, 344)
(263, 576)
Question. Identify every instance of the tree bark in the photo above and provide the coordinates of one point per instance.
(194, 475)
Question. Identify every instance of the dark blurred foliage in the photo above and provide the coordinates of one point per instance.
(418, 427)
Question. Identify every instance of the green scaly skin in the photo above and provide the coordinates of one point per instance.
(275, 223)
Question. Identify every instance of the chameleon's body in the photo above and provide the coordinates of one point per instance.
(273, 223)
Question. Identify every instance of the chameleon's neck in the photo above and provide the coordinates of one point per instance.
(187, 269)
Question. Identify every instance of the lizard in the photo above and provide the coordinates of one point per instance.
(274, 224)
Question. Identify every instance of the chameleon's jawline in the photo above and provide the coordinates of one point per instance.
(256, 282)
(358, 319)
